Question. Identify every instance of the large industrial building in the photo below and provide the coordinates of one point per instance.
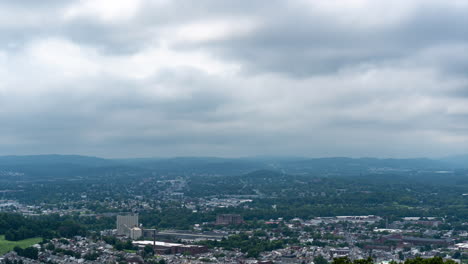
(172, 248)
(127, 225)
(229, 219)
(187, 236)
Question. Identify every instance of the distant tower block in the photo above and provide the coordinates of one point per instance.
(229, 219)
(125, 223)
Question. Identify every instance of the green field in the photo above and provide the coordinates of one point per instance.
(6, 246)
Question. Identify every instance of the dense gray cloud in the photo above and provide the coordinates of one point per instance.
(129, 78)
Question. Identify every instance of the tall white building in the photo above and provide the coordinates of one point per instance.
(135, 233)
(125, 223)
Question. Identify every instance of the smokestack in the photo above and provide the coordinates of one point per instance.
(154, 241)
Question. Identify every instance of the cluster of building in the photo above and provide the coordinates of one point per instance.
(328, 237)
(129, 227)
(356, 237)
(13, 206)
(223, 202)
(362, 219)
(76, 250)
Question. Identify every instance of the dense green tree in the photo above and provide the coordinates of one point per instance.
(148, 249)
(320, 260)
(29, 252)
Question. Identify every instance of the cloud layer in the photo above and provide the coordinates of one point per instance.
(132, 78)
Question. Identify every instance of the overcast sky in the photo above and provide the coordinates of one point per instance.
(134, 78)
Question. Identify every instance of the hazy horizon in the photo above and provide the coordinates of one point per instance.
(237, 157)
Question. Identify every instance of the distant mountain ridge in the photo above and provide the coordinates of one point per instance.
(54, 159)
(457, 161)
(73, 165)
(339, 163)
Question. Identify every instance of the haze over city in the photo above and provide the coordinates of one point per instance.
(136, 78)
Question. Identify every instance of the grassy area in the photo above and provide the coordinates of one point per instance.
(6, 246)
